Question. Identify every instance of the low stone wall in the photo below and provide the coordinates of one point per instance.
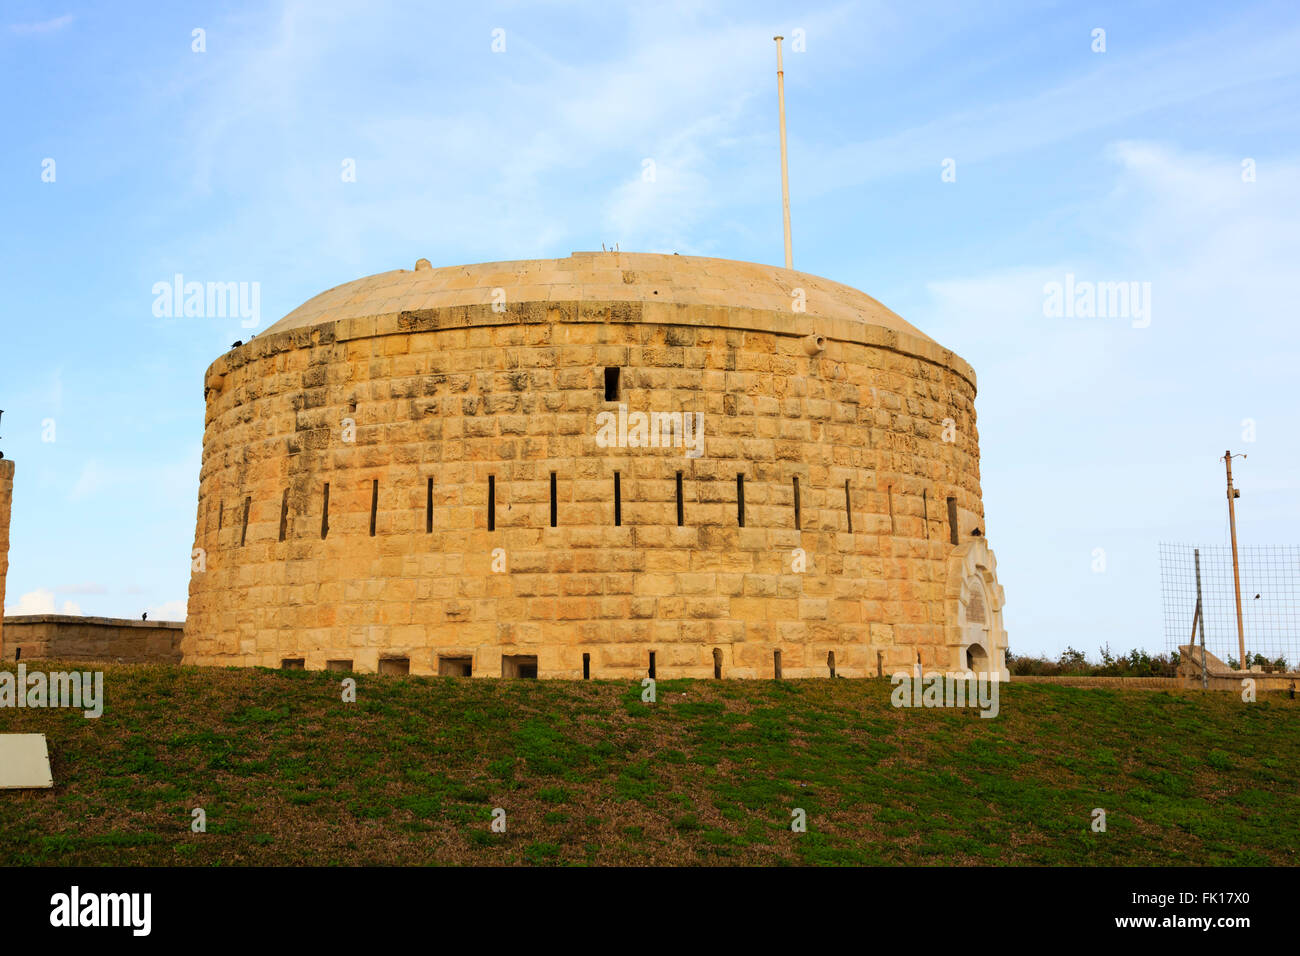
(1222, 677)
(71, 638)
(1110, 683)
(1230, 681)
(1263, 682)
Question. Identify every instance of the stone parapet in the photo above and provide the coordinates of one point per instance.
(68, 637)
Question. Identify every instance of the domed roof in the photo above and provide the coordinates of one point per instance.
(597, 276)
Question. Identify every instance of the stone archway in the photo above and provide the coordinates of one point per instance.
(976, 634)
(973, 600)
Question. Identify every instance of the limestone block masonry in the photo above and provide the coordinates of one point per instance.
(414, 470)
(67, 637)
(6, 505)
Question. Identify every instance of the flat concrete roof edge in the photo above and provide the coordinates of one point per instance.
(78, 619)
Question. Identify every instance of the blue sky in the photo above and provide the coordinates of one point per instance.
(1117, 166)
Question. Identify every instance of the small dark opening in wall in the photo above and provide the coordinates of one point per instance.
(519, 665)
(586, 667)
(293, 664)
(925, 510)
(848, 505)
(891, 509)
(555, 505)
(830, 661)
(680, 511)
(338, 665)
(284, 514)
(717, 663)
(776, 664)
(428, 508)
(611, 384)
(221, 514)
(243, 533)
(455, 666)
(651, 672)
(325, 511)
(952, 521)
(492, 502)
(394, 665)
(740, 500)
(798, 526)
(374, 504)
(618, 499)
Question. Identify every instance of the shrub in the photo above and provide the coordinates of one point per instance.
(1074, 663)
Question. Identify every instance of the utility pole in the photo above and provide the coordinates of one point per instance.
(1199, 618)
(1233, 494)
(785, 172)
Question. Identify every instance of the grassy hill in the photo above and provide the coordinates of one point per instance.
(290, 774)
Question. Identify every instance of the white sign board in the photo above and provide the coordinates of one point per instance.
(24, 762)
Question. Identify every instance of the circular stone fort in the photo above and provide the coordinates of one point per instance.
(604, 466)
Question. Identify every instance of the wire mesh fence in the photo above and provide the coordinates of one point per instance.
(1270, 601)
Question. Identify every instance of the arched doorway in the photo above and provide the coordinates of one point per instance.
(975, 655)
(973, 601)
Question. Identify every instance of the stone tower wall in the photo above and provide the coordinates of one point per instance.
(457, 396)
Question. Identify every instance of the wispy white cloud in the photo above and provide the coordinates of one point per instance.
(169, 610)
(547, 153)
(93, 477)
(1114, 431)
(1109, 93)
(167, 480)
(43, 26)
(85, 587)
(41, 601)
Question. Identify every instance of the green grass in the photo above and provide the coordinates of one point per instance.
(589, 775)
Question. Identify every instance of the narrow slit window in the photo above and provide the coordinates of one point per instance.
(555, 504)
(284, 514)
(952, 521)
(611, 384)
(740, 500)
(243, 532)
(325, 511)
(848, 505)
(776, 664)
(586, 667)
(798, 525)
(925, 511)
(428, 508)
(374, 504)
(492, 502)
(717, 663)
(680, 511)
(892, 529)
(618, 500)
(652, 664)
(221, 514)
(830, 661)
